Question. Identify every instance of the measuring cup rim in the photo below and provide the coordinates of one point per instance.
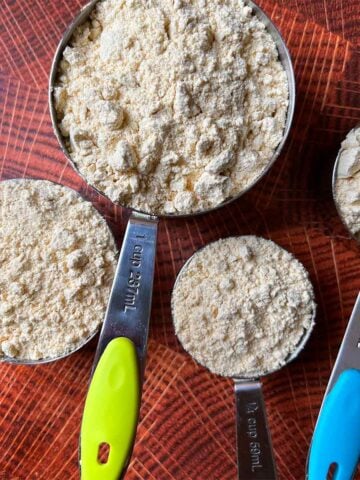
(284, 57)
(25, 361)
(257, 374)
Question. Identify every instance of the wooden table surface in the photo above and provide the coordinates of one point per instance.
(187, 418)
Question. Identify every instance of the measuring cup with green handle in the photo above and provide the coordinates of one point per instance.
(113, 401)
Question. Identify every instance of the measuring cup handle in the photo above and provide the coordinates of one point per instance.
(113, 400)
(336, 439)
(254, 448)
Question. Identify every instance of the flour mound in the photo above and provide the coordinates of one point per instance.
(57, 262)
(171, 106)
(241, 306)
(347, 183)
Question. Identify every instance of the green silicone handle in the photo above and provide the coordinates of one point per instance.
(111, 412)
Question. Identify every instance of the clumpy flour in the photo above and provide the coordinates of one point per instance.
(57, 262)
(171, 106)
(241, 305)
(347, 181)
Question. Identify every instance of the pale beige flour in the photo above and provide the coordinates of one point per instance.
(241, 305)
(347, 183)
(171, 106)
(57, 262)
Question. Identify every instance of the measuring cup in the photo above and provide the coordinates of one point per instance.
(128, 312)
(255, 457)
(334, 178)
(24, 361)
(335, 444)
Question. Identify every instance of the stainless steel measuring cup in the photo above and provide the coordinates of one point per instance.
(129, 305)
(334, 179)
(254, 448)
(24, 361)
(335, 444)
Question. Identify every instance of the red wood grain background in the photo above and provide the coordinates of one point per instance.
(187, 419)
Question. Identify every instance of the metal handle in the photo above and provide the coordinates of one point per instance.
(129, 305)
(254, 448)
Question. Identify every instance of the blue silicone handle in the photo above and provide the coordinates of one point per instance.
(337, 434)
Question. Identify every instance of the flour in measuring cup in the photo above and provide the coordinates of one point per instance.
(347, 183)
(241, 306)
(171, 106)
(57, 262)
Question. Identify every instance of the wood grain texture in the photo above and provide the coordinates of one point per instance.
(187, 420)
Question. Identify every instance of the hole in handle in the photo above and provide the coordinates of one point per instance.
(331, 472)
(103, 453)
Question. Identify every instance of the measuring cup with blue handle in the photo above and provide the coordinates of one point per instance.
(336, 440)
(335, 445)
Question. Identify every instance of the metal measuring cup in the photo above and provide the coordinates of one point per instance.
(25, 361)
(284, 57)
(130, 300)
(255, 458)
(334, 448)
(334, 181)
